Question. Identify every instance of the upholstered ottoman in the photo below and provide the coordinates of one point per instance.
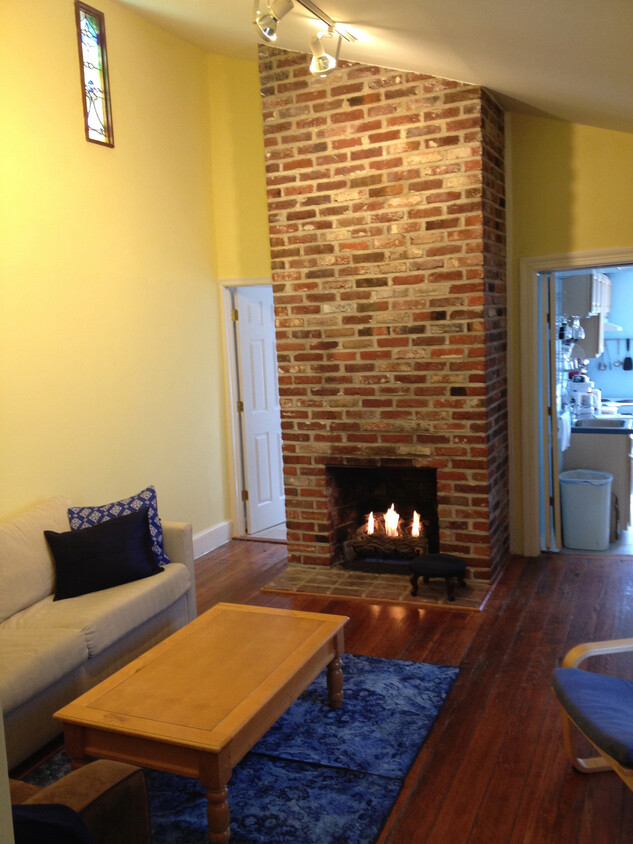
(447, 566)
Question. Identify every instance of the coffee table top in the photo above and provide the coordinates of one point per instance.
(202, 684)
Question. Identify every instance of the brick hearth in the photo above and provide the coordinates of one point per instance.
(387, 232)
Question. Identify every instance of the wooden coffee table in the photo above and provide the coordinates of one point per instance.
(196, 703)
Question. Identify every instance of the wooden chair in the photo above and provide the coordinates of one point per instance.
(600, 707)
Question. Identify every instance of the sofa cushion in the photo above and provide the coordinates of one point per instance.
(32, 660)
(26, 565)
(105, 617)
(108, 554)
(87, 516)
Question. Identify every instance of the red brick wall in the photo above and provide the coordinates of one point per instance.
(387, 234)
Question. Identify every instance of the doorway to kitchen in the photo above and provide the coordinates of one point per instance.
(577, 395)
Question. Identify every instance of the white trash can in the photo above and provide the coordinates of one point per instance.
(586, 509)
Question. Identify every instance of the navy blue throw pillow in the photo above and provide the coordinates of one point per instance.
(108, 554)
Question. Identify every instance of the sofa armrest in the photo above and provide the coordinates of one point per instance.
(111, 798)
(178, 543)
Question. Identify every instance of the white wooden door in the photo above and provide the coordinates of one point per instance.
(260, 409)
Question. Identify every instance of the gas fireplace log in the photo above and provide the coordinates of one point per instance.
(379, 545)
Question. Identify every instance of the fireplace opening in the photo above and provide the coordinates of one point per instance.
(381, 516)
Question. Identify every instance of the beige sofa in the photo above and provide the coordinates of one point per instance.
(52, 651)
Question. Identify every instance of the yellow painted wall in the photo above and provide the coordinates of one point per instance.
(238, 192)
(110, 361)
(570, 189)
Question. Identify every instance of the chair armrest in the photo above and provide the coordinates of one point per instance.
(580, 653)
(111, 798)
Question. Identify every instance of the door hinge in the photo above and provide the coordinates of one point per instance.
(240, 407)
(234, 315)
(244, 495)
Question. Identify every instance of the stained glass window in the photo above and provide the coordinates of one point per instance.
(94, 74)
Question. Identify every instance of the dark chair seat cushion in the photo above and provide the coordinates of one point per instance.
(601, 706)
(438, 565)
(49, 824)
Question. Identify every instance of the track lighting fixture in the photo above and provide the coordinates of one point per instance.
(272, 11)
(268, 19)
(323, 63)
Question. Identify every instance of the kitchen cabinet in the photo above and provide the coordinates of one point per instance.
(586, 294)
(593, 342)
(606, 452)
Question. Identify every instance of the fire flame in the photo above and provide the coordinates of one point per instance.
(391, 521)
(387, 524)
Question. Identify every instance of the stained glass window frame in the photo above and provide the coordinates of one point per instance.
(98, 102)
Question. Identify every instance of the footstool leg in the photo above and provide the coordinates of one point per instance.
(414, 584)
(450, 588)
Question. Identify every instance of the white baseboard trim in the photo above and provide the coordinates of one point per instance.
(211, 538)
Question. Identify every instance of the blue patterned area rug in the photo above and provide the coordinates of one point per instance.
(319, 775)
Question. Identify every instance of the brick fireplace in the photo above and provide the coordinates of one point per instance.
(387, 233)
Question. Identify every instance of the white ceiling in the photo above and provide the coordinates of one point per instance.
(569, 59)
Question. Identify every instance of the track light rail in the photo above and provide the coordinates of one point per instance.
(323, 16)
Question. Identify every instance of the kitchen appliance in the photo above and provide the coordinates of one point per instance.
(583, 397)
(589, 404)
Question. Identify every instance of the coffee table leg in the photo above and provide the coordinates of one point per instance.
(73, 741)
(335, 675)
(218, 815)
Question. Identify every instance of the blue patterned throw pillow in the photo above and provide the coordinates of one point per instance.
(84, 517)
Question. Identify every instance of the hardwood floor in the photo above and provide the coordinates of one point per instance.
(493, 769)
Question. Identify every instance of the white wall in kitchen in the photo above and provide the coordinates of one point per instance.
(616, 382)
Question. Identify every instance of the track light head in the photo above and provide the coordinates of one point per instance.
(323, 63)
(268, 19)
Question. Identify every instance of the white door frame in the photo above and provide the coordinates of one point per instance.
(527, 469)
(231, 381)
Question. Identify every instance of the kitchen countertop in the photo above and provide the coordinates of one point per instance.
(618, 407)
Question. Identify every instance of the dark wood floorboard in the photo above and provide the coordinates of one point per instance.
(493, 769)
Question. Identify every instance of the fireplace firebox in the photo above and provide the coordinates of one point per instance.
(381, 515)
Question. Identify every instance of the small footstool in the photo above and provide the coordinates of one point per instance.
(447, 566)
